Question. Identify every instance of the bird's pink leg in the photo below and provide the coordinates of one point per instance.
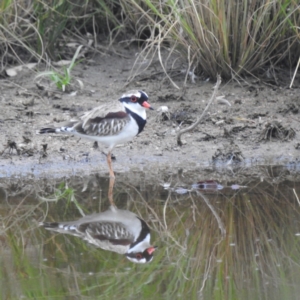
(111, 172)
(110, 191)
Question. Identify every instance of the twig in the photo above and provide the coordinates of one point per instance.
(296, 70)
(160, 41)
(219, 221)
(181, 132)
(296, 196)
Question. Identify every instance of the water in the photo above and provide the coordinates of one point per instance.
(236, 237)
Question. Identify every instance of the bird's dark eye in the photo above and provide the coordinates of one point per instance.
(139, 256)
(133, 98)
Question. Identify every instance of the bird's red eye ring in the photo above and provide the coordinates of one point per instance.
(139, 256)
(133, 99)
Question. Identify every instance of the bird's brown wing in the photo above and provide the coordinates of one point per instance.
(103, 120)
(102, 111)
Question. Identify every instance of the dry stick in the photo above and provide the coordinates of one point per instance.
(296, 70)
(296, 196)
(181, 132)
(210, 206)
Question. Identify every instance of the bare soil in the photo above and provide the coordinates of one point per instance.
(260, 126)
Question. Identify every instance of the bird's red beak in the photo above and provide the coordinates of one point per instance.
(147, 105)
(151, 250)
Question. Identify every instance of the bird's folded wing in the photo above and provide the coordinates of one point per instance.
(114, 232)
(102, 111)
(103, 121)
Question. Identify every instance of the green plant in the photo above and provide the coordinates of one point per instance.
(62, 79)
(63, 192)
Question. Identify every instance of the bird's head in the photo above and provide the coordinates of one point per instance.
(141, 257)
(136, 101)
(141, 252)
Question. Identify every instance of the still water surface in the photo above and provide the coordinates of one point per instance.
(219, 236)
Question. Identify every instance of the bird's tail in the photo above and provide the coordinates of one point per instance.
(55, 130)
(67, 227)
(49, 225)
(46, 130)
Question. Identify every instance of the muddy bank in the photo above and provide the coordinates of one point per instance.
(253, 124)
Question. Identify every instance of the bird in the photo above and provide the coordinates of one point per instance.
(116, 230)
(111, 124)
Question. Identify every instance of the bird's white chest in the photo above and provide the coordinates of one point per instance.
(129, 131)
(125, 135)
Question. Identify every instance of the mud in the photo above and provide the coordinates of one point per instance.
(255, 123)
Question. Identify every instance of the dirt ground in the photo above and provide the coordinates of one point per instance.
(254, 123)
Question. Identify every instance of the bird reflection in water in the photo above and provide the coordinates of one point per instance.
(114, 230)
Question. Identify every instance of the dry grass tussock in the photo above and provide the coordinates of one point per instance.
(230, 37)
(222, 37)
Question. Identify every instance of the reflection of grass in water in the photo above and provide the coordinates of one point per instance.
(260, 243)
(257, 259)
(64, 193)
(18, 256)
